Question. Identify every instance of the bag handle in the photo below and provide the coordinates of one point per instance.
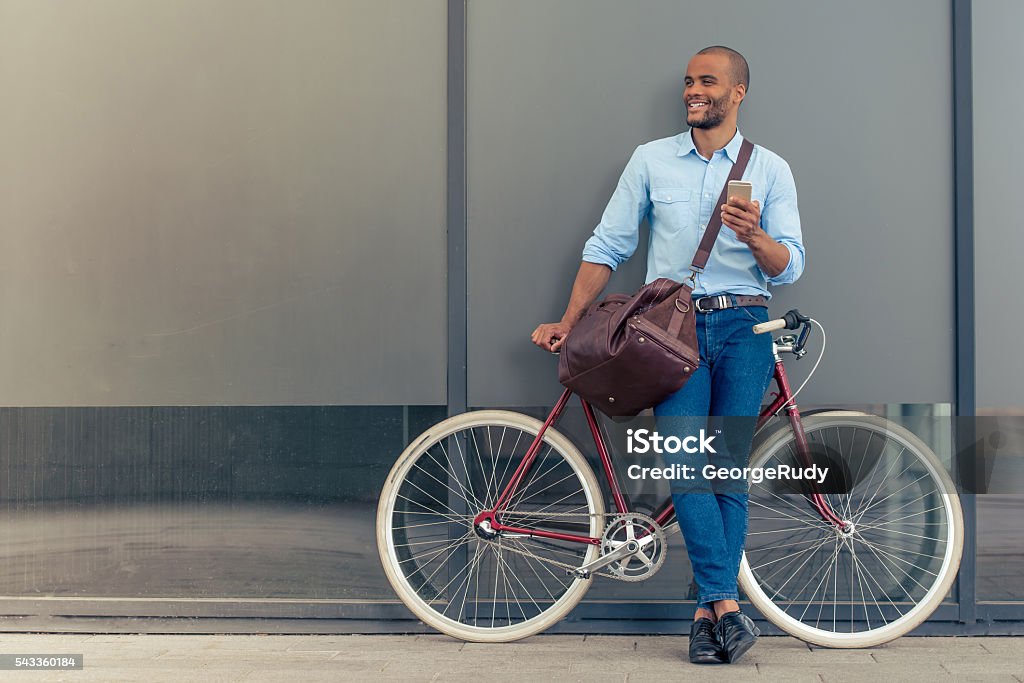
(707, 243)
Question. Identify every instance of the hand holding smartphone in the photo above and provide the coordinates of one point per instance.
(741, 220)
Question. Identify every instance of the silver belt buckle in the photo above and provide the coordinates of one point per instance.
(722, 300)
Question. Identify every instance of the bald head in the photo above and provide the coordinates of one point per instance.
(738, 68)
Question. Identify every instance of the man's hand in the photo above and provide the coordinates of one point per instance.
(590, 280)
(743, 218)
(550, 336)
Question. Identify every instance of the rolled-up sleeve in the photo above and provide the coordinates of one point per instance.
(616, 236)
(780, 218)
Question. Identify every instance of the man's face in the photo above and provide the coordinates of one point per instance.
(710, 94)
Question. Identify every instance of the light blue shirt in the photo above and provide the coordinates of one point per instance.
(667, 182)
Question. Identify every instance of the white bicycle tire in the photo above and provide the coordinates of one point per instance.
(933, 598)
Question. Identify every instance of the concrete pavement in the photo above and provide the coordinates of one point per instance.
(622, 659)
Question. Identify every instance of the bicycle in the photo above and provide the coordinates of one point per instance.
(488, 542)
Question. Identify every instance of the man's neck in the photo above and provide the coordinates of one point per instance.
(710, 140)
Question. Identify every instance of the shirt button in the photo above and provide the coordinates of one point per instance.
(669, 197)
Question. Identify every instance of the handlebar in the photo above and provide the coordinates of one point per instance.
(769, 326)
(792, 320)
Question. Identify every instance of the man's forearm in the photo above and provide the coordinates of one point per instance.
(590, 282)
(771, 256)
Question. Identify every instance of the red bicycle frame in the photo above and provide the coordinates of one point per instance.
(783, 398)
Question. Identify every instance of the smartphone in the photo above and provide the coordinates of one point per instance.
(740, 188)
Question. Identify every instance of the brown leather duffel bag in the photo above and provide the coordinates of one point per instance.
(629, 353)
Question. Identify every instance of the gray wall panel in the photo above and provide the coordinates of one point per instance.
(232, 202)
(999, 240)
(560, 93)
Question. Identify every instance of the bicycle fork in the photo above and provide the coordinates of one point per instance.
(802, 451)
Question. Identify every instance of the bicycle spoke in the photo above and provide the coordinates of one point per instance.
(828, 569)
(547, 488)
(885, 478)
(896, 559)
(464, 499)
(441, 591)
(433, 498)
(906, 533)
(450, 472)
(415, 526)
(536, 467)
(451, 551)
(494, 465)
(784, 545)
(468, 582)
(867, 617)
(875, 522)
(919, 567)
(515, 576)
(499, 481)
(540, 580)
(813, 525)
(479, 460)
(451, 517)
(879, 502)
(809, 552)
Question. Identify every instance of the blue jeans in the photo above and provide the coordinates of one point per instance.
(735, 368)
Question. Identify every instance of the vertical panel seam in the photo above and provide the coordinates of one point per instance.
(457, 281)
(963, 193)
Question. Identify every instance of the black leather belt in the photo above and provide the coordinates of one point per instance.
(723, 301)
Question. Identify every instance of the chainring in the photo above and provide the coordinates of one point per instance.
(646, 562)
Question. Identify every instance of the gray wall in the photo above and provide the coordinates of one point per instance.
(998, 180)
(230, 202)
(560, 93)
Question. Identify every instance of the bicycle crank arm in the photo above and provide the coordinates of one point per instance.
(624, 550)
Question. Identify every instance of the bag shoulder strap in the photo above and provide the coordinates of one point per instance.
(700, 259)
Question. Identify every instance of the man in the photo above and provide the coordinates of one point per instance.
(675, 183)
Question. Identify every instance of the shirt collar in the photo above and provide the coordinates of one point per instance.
(732, 150)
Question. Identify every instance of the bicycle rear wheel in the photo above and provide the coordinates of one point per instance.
(870, 584)
(464, 583)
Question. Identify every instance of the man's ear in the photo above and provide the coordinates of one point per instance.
(739, 93)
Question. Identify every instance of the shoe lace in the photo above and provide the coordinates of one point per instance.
(705, 627)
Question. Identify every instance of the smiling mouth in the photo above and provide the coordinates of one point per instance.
(696, 106)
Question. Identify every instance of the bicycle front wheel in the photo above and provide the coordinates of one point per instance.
(880, 578)
(481, 586)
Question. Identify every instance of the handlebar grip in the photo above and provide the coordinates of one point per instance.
(769, 326)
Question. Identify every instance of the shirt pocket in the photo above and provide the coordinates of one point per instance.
(671, 209)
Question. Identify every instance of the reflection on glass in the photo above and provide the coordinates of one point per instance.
(246, 502)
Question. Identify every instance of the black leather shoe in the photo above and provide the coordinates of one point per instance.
(705, 647)
(737, 634)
